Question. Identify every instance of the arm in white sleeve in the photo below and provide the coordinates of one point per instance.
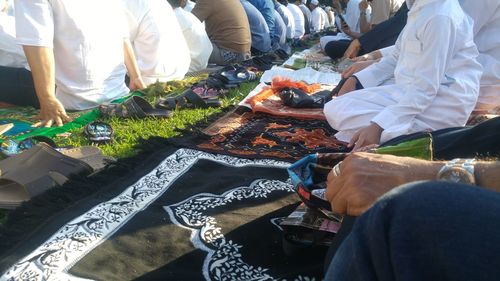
(387, 50)
(377, 73)
(436, 42)
(34, 23)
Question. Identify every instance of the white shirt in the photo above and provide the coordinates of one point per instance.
(89, 57)
(288, 19)
(486, 15)
(299, 20)
(160, 48)
(317, 20)
(189, 6)
(325, 16)
(435, 69)
(306, 11)
(196, 37)
(351, 16)
(11, 53)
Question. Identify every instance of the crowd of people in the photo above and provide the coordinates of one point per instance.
(421, 65)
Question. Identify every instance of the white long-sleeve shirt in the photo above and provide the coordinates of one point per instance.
(486, 16)
(317, 20)
(299, 20)
(11, 53)
(288, 19)
(434, 65)
(153, 30)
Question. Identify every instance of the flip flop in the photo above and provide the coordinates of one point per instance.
(239, 75)
(188, 99)
(41, 168)
(98, 132)
(133, 107)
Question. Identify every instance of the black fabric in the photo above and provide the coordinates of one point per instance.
(481, 140)
(36, 220)
(336, 49)
(152, 247)
(17, 87)
(385, 33)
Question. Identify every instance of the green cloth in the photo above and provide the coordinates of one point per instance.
(419, 148)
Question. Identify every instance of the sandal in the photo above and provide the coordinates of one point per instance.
(188, 99)
(98, 132)
(135, 107)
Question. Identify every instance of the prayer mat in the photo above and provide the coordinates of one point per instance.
(24, 117)
(193, 216)
(258, 135)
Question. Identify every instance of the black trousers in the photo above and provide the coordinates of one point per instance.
(17, 87)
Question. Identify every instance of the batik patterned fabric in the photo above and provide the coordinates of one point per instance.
(255, 135)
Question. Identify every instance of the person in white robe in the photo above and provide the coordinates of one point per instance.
(317, 18)
(196, 37)
(486, 16)
(436, 80)
(299, 20)
(161, 51)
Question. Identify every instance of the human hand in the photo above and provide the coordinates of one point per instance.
(346, 29)
(366, 136)
(51, 112)
(353, 49)
(364, 177)
(349, 86)
(356, 67)
(136, 83)
(363, 5)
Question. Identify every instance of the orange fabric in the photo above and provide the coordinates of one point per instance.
(278, 84)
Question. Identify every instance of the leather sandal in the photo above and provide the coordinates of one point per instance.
(188, 99)
(41, 168)
(133, 107)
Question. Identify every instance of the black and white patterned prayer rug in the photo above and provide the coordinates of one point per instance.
(194, 216)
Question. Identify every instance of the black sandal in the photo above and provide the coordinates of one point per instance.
(188, 99)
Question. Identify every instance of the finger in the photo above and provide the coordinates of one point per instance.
(359, 144)
(59, 121)
(333, 188)
(354, 139)
(66, 118)
(47, 123)
(37, 124)
(348, 72)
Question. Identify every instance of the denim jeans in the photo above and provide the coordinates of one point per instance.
(424, 231)
(16, 87)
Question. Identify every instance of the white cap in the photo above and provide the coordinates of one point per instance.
(315, 2)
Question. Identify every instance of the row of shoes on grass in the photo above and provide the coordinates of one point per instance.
(203, 94)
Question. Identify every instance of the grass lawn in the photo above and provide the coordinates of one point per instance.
(129, 131)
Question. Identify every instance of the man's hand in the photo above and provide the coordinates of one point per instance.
(136, 83)
(357, 67)
(51, 113)
(346, 29)
(364, 177)
(349, 86)
(363, 5)
(366, 136)
(353, 49)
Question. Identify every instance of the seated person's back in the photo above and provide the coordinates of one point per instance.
(261, 37)
(153, 30)
(196, 37)
(227, 27)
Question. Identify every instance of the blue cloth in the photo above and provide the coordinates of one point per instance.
(279, 36)
(17, 87)
(261, 37)
(424, 231)
(266, 8)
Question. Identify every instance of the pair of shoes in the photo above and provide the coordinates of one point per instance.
(232, 76)
(188, 99)
(133, 107)
(41, 168)
(297, 98)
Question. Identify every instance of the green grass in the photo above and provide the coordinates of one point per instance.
(127, 132)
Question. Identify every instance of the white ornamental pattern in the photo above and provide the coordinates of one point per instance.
(52, 259)
(224, 260)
